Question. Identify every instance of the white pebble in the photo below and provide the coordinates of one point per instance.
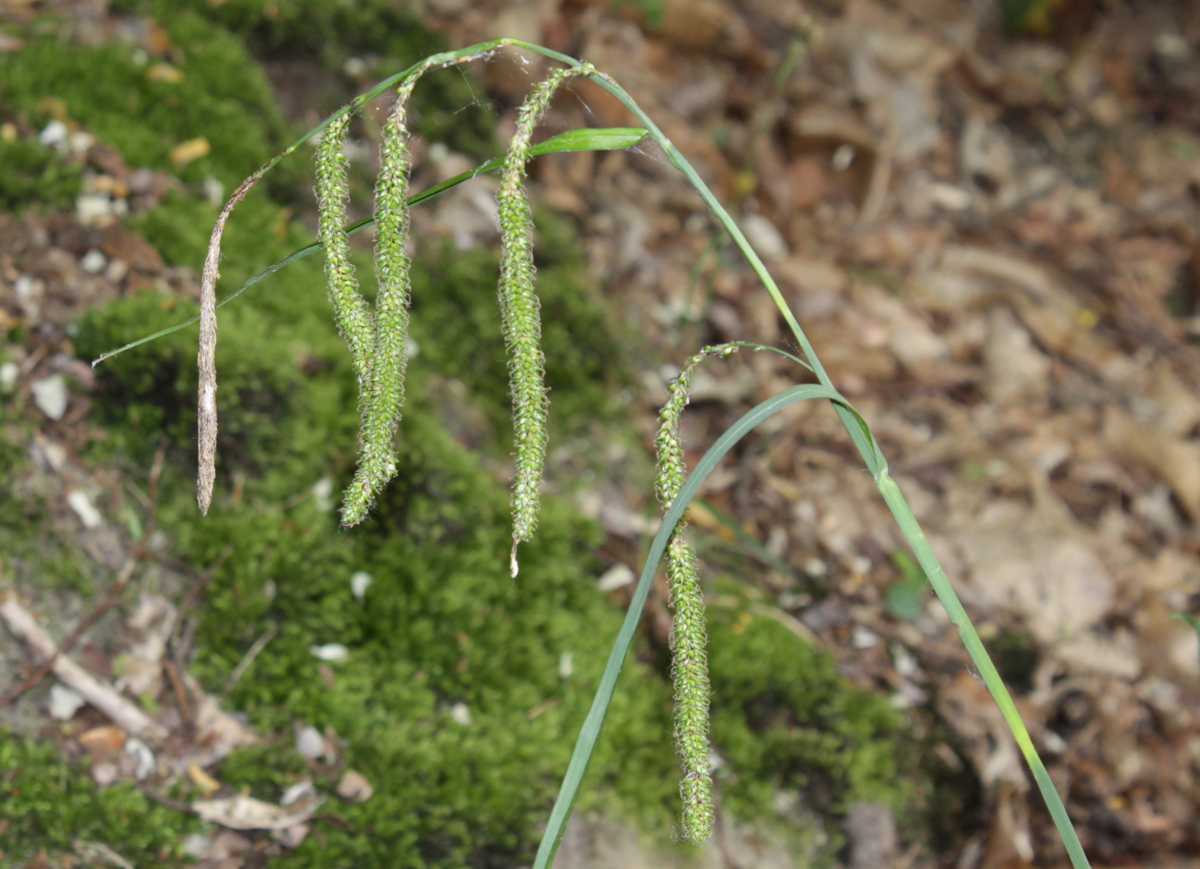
(196, 845)
(214, 191)
(145, 757)
(329, 651)
(300, 790)
(105, 773)
(64, 702)
(50, 395)
(461, 714)
(93, 262)
(359, 583)
(355, 67)
(617, 576)
(79, 501)
(8, 375)
(80, 141)
(863, 638)
(27, 288)
(91, 207)
(765, 238)
(322, 494)
(309, 742)
(54, 135)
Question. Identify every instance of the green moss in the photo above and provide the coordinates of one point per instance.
(443, 622)
(785, 720)
(456, 326)
(30, 547)
(48, 804)
(221, 96)
(33, 173)
(382, 35)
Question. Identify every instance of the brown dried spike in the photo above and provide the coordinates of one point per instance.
(206, 357)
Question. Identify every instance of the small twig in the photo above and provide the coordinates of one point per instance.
(248, 659)
(185, 713)
(184, 630)
(337, 820)
(22, 623)
(55, 651)
(181, 647)
(114, 590)
(197, 586)
(155, 796)
(85, 848)
(156, 467)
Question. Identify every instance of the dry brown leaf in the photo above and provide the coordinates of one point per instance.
(192, 149)
(246, 813)
(354, 787)
(201, 779)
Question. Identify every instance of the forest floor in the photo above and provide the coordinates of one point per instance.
(992, 238)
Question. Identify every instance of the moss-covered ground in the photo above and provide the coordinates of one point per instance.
(442, 628)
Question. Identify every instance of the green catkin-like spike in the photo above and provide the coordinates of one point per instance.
(385, 392)
(350, 311)
(379, 356)
(520, 312)
(689, 640)
(689, 669)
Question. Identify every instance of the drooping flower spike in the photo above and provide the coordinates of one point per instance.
(689, 635)
(520, 313)
(376, 340)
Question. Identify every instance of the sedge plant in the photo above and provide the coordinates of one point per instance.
(376, 339)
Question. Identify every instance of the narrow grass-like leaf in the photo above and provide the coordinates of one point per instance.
(590, 731)
(520, 313)
(591, 139)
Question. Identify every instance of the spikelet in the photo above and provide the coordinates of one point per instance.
(206, 355)
(350, 311)
(689, 640)
(520, 313)
(376, 340)
(353, 318)
(385, 391)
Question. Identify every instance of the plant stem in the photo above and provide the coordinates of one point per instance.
(876, 464)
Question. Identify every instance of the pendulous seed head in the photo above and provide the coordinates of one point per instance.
(689, 637)
(376, 339)
(384, 391)
(520, 312)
